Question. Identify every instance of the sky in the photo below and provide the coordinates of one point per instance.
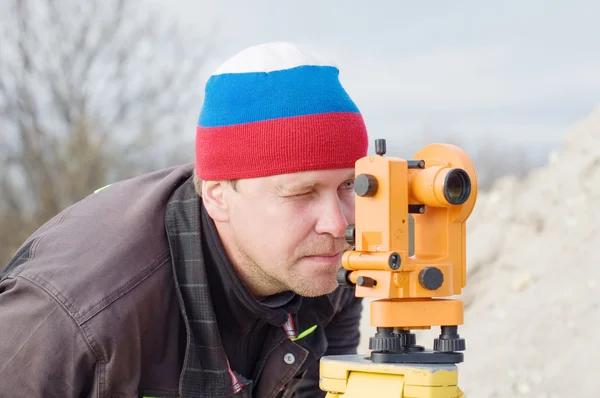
(504, 73)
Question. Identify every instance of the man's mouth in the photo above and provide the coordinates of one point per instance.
(328, 254)
(328, 259)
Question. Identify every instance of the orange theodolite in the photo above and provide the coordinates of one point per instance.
(411, 267)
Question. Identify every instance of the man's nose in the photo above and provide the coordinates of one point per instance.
(331, 218)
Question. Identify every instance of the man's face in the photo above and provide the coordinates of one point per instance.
(286, 232)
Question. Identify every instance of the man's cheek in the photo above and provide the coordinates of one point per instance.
(349, 212)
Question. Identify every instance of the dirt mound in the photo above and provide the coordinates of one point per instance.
(533, 291)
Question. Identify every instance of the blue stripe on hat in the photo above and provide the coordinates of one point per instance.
(236, 98)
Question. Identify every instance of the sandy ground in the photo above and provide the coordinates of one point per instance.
(533, 293)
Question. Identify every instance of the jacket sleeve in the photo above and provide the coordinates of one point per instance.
(343, 338)
(43, 352)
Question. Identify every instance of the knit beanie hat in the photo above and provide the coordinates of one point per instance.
(274, 109)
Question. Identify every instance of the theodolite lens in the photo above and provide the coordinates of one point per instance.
(457, 187)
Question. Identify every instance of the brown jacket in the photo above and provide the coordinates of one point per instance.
(89, 307)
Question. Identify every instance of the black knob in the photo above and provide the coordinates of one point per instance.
(342, 277)
(407, 338)
(385, 340)
(431, 278)
(349, 234)
(446, 345)
(365, 185)
(388, 343)
(449, 340)
(380, 148)
(365, 281)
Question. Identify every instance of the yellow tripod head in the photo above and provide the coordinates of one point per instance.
(409, 249)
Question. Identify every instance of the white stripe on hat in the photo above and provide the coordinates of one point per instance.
(268, 57)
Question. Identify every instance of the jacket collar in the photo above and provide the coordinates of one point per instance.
(205, 371)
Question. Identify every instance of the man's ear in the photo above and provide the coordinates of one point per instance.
(215, 200)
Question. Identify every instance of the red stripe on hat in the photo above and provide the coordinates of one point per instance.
(279, 146)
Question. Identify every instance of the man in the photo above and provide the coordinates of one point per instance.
(210, 280)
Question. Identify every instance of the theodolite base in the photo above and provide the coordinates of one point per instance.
(353, 376)
(419, 357)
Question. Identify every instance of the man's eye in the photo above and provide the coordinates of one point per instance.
(300, 194)
(349, 184)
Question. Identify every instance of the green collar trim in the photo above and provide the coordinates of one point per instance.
(305, 333)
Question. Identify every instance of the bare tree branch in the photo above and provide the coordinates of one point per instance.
(86, 90)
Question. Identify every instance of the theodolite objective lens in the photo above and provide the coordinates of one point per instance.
(457, 187)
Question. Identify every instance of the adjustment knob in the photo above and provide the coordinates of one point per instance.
(342, 278)
(390, 343)
(365, 185)
(443, 345)
(431, 278)
(449, 340)
(380, 148)
(385, 340)
(365, 281)
(407, 338)
(349, 234)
